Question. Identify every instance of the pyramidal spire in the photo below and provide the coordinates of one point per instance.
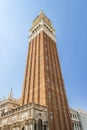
(11, 94)
(41, 12)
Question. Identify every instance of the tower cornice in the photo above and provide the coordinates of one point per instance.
(42, 23)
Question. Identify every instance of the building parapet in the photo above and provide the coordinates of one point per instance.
(30, 113)
(21, 108)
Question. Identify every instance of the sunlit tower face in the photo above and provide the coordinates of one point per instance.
(43, 82)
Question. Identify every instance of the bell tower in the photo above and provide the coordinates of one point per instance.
(43, 82)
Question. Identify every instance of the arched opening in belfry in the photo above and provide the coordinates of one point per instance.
(39, 124)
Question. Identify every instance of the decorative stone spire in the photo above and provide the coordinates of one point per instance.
(41, 12)
(11, 94)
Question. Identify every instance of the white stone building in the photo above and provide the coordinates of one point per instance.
(32, 116)
(83, 118)
(9, 103)
(76, 123)
(27, 117)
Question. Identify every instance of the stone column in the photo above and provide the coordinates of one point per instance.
(15, 128)
(78, 127)
(47, 127)
(32, 126)
(27, 127)
(18, 128)
(74, 126)
(37, 126)
(42, 127)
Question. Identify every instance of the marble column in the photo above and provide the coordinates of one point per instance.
(27, 127)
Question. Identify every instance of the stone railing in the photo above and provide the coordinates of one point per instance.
(24, 114)
(21, 108)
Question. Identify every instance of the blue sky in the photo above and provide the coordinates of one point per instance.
(69, 18)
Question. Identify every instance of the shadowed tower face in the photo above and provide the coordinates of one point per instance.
(43, 82)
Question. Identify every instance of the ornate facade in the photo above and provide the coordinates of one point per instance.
(76, 122)
(9, 103)
(83, 118)
(27, 117)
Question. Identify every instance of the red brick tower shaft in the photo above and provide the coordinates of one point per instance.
(43, 82)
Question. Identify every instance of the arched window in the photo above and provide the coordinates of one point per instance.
(35, 126)
(44, 127)
(39, 124)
